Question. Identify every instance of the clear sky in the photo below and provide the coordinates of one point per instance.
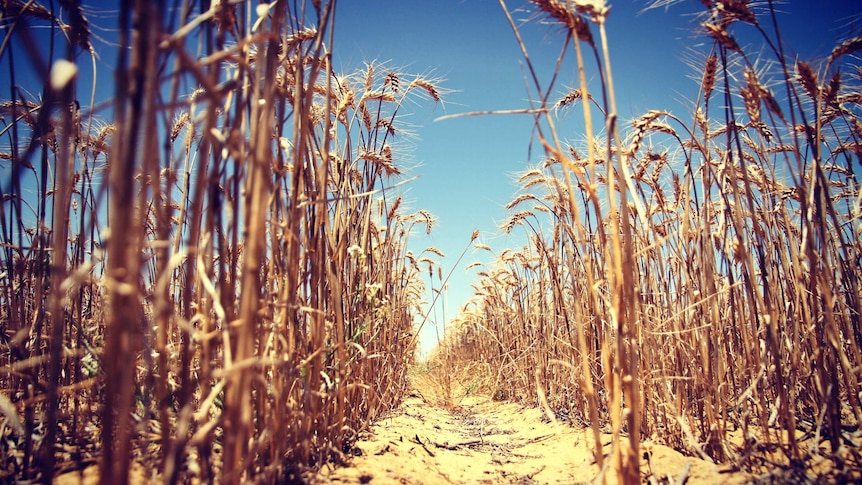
(466, 165)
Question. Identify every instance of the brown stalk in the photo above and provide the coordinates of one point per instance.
(123, 316)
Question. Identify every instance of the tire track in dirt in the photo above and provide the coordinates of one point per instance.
(481, 441)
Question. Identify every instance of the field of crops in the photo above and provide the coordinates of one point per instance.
(206, 274)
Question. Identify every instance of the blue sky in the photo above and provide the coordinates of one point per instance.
(467, 165)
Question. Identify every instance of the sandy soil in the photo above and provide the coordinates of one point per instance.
(481, 441)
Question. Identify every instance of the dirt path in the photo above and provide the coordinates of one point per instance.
(481, 441)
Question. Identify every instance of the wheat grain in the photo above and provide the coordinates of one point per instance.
(730, 10)
(831, 90)
(806, 77)
(428, 87)
(560, 12)
(720, 35)
(849, 46)
(709, 71)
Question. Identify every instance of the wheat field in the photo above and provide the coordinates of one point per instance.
(208, 276)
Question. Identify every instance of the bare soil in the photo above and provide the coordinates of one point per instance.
(483, 441)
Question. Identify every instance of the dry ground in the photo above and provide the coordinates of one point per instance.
(473, 439)
(482, 441)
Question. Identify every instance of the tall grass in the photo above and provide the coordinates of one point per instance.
(692, 281)
(208, 276)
